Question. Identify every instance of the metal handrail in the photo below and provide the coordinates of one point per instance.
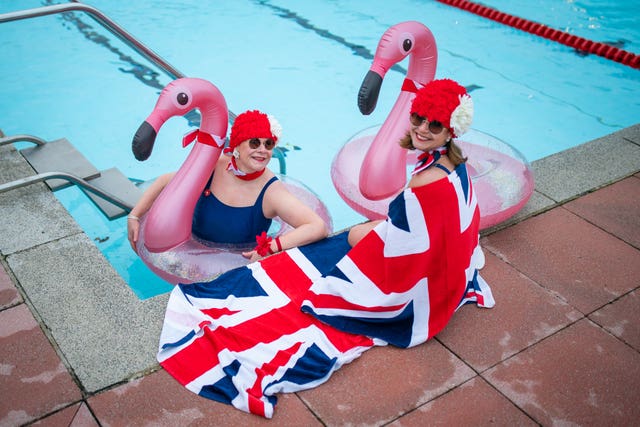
(128, 39)
(23, 182)
(17, 138)
(107, 23)
(116, 30)
(102, 19)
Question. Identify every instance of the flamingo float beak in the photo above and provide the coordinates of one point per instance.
(143, 141)
(369, 91)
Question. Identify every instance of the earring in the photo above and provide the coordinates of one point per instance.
(236, 153)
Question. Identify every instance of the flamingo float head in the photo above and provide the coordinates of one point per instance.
(409, 38)
(177, 99)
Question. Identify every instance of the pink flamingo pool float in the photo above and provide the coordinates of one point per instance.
(371, 168)
(165, 243)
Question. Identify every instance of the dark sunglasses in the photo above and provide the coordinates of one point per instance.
(268, 144)
(435, 127)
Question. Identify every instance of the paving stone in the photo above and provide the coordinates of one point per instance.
(474, 403)
(583, 374)
(615, 208)
(622, 318)
(564, 253)
(580, 376)
(107, 334)
(9, 295)
(77, 415)
(536, 204)
(37, 379)
(580, 169)
(524, 314)
(159, 400)
(385, 383)
(32, 215)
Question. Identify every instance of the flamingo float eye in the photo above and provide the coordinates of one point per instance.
(406, 42)
(182, 98)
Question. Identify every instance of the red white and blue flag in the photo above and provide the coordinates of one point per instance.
(402, 282)
(242, 338)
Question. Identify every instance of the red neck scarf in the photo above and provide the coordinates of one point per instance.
(233, 167)
(426, 159)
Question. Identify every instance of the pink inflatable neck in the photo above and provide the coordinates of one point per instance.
(168, 222)
(383, 172)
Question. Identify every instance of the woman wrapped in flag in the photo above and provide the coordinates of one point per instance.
(405, 276)
(287, 322)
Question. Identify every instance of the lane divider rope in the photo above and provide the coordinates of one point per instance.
(584, 45)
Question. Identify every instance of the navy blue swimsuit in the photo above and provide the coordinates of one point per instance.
(216, 222)
(444, 168)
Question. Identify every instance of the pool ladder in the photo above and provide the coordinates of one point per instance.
(59, 165)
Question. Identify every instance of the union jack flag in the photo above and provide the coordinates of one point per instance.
(246, 336)
(403, 281)
(242, 338)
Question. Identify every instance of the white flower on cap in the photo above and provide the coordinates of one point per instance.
(276, 129)
(462, 116)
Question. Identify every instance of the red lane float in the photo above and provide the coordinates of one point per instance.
(585, 45)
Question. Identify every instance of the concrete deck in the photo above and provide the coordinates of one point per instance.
(562, 345)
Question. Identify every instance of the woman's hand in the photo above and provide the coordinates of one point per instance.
(133, 228)
(252, 256)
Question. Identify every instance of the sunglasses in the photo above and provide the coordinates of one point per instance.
(254, 143)
(435, 127)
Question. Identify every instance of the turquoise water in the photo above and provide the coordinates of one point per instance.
(302, 62)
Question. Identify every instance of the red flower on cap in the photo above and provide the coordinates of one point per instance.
(446, 101)
(253, 124)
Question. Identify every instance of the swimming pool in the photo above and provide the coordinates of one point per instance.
(302, 62)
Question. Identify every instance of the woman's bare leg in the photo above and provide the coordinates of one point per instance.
(357, 232)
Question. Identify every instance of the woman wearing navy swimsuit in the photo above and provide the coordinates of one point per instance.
(243, 195)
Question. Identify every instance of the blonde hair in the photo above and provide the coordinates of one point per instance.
(453, 150)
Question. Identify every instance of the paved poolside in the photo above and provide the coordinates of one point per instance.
(562, 345)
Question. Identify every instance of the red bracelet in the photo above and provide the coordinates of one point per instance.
(278, 246)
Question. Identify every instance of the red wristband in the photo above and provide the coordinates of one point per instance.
(278, 246)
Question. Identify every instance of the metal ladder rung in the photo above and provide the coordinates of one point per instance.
(112, 181)
(59, 155)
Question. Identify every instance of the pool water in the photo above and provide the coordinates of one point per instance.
(303, 62)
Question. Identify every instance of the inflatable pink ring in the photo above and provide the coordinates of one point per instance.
(197, 260)
(165, 243)
(501, 176)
